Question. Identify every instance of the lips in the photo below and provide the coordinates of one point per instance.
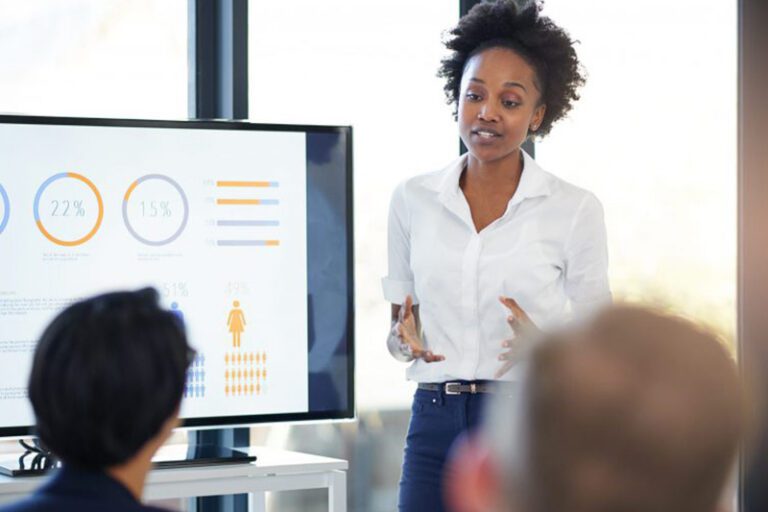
(484, 136)
(485, 133)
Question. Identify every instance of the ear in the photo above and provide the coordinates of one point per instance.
(537, 118)
(471, 481)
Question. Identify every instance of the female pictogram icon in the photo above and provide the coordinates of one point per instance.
(236, 323)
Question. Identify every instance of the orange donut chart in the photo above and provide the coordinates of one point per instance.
(99, 218)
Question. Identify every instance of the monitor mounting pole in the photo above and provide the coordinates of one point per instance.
(218, 89)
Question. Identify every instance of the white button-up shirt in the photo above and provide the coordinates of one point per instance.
(548, 252)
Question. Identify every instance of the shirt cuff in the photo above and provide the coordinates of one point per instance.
(395, 291)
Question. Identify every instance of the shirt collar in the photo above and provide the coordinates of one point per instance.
(533, 182)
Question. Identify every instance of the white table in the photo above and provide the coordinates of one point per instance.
(274, 470)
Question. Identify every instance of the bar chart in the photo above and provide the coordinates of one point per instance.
(240, 213)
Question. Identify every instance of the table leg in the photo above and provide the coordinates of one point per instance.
(257, 502)
(337, 491)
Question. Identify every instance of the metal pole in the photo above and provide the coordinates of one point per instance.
(218, 89)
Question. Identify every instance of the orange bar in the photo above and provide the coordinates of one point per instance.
(238, 201)
(243, 184)
(272, 243)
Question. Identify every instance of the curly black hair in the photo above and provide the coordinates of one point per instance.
(545, 46)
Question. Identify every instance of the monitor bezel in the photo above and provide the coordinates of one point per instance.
(220, 124)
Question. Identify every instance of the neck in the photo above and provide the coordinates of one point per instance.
(133, 473)
(503, 172)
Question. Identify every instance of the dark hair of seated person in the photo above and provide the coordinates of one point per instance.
(108, 372)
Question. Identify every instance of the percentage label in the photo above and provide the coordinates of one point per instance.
(175, 289)
(155, 209)
(234, 288)
(67, 208)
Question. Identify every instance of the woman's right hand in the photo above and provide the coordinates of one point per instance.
(408, 332)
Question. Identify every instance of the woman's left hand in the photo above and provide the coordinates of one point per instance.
(521, 325)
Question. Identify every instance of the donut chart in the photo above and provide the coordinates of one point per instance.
(155, 210)
(5, 203)
(68, 209)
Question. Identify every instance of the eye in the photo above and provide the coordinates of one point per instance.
(510, 103)
(471, 96)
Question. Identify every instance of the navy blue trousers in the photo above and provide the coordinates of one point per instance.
(437, 420)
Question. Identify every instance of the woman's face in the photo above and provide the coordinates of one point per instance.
(498, 104)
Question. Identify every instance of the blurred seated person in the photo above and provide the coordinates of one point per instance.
(106, 384)
(633, 412)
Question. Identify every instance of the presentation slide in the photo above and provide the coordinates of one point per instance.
(215, 220)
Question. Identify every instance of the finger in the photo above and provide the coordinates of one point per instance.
(508, 356)
(514, 307)
(519, 318)
(429, 357)
(504, 369)
(509, 303)
(408, 306)
(508, 343)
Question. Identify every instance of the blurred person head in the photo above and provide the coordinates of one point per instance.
(107, 380)
(634, 412)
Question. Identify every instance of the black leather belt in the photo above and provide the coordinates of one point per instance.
(457, 388)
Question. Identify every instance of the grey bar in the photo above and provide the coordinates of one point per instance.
(241, 243)
(247, 222)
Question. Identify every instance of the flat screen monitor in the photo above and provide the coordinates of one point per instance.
(244, 229)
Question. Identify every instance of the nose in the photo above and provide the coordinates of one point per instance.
(487, 112)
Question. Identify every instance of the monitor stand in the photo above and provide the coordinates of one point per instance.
(183, 456)
(35, 461)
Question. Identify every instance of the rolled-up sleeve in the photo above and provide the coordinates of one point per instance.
(586, 252)
(399, 281)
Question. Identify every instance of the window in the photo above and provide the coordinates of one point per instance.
(654, 136)
(373, 65)
(100, 58)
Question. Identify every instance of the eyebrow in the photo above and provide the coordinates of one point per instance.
(506, 84)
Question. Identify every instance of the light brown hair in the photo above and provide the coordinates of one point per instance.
(635, 412)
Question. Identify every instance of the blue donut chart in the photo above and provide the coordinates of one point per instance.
(6, 209)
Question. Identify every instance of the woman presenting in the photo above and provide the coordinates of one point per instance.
(490, 242)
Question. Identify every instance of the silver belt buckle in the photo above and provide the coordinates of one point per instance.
(448, 386)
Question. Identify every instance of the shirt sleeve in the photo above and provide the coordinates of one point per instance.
(399, 281)
(586, 266)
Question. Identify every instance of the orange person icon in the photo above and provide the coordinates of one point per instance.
(236, 323)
